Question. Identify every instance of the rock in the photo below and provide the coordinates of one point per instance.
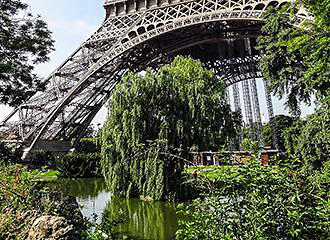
(50, 228)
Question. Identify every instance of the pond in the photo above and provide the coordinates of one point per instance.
(137, 219)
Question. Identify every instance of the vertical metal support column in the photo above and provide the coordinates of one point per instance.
(227, 95)
(237, 101)
(230, 144)
(221, 54)
(256, 108)
(270, 113)
(21, 124)
(236, 94)
(255, 97)
(247, 103)
(246, 96)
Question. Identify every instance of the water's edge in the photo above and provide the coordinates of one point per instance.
(136, 219)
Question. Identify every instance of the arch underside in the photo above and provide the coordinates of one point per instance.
(215, 33)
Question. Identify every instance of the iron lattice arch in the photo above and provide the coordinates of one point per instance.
(137, 34)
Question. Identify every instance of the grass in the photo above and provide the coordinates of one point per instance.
(215, 172)
(46, 175)
(212, 172)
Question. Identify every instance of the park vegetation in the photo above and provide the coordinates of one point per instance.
(291, 199)
(158, 117)
(156, 120)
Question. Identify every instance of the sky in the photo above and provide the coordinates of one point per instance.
(72, 22)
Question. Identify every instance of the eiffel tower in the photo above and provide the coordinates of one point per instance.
(135, 35)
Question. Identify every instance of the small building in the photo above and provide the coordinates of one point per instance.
(266, 154)
(235, 157)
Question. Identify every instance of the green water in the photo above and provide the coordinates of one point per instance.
(136, 219)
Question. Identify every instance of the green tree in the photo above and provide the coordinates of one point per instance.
(296, 60)
(156, 116)
(309, 140)
(24, 42)
(280, 123)
(296, 63)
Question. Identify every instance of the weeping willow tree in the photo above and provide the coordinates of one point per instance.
(155, 120)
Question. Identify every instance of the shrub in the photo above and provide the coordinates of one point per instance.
(79, 165)
(7, 156)
(309, 141)
(19, 200)
(89, 145)
(256, 202)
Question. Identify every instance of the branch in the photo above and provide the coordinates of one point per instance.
(178, 157)
(5, 188)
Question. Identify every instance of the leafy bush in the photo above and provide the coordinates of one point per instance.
(79, 165)
(19, 199)
(17, 188)
(23, 200)
(6, 156)
(256, 202)
(40, 159)
(9, 154)
(309, 140)
(89, 145)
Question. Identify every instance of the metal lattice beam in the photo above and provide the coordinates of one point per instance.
(133, 34)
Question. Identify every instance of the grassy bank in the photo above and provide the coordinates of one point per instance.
(28, 210)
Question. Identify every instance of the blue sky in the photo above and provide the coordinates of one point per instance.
(72, 22)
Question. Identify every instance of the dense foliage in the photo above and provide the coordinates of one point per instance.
(89, 145)
(279, 124)
(296, 63)
(18, 194)
(79, 165)
(24, 41)
(309, 140)
(295, 60)
(156, 116)
(23, 200)
(256, 202)
(290, 201)
(6, 155)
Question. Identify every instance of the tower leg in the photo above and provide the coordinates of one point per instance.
(236, 94)
(254, 95)
(270, 113)
(247, 104)
(256, 108)
(237, 101)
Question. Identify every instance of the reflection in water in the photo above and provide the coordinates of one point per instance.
(142, 220)
(137, 219)
(83, 188)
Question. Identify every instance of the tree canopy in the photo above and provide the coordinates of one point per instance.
(24, 42)
(296, 63)
(279, 124)
(176, 110)
(296, 60)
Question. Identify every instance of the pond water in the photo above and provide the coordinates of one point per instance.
(137, 219)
